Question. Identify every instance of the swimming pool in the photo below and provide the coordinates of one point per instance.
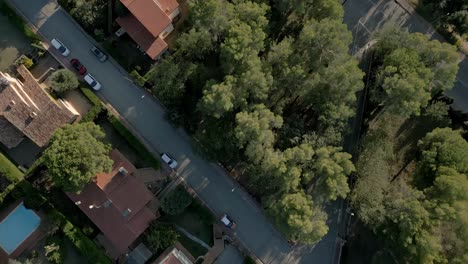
(16, 227)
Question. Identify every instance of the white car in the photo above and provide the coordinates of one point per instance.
(92, 82)
(58, 45)
(171, 162)
(228, 222)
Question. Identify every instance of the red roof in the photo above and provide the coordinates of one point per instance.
(150, 14)
(153, 46)
(119, 201)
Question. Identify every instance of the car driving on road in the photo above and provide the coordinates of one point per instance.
(78, 66)
(58, 45)
(170, 161)
(99, 54)
(92, 82)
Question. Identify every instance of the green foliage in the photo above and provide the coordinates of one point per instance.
(86, 246)
(176, 201)
(450, 13)
(90, 14)
(55, 250)
(437, 114)
(16, 20)
(298, 218)
(169, 78)
(160, 236)
(249, 260)
(97, 107)
(413, 70)
(134, 142)
(443, 147)
(75, 155)
(9, 169)
(63, 80)
(26, 61)
(34, 200)
(138, 78)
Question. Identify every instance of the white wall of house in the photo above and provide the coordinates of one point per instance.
(174, 13)
(166, 31)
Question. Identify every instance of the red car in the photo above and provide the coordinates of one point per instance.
(78, 66)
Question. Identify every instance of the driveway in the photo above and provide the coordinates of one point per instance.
(147, 116)
(364, 17)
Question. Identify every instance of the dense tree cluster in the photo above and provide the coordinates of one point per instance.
(424, 221)
(75, 155)
(269, 84)
(412, 70)
(450, 13)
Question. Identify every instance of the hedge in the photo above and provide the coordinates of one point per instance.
(97, 108)
(86, 246)
(133, 141)
(16, 20)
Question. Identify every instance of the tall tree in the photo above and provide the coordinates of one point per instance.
(76, 155)
(298, 218)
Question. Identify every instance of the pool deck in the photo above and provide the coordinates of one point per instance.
(28, 243)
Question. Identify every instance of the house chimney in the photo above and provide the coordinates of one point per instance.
(123, 171)
(4, 82)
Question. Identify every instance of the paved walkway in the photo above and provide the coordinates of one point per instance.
(192, 237)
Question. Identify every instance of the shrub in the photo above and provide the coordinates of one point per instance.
(138, 78)
(86, 246)
(176, 202)
(54, 250)
(63, 80)
(26, 61)
(160, 236)
(249, 260)
(97, 108)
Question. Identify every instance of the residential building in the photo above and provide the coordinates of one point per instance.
(26, 110)
(175, 255)
(116, 203)
(148, 23)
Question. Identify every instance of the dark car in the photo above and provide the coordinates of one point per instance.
(78, 66)
(99, 54)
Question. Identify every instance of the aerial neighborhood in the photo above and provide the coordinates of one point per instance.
(233, 131)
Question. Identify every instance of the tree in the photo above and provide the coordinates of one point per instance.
(63, 80)
(436, 114)
(332, 167)
(211, 15)
(414, 69)
(176, 201)
(168, 77)
(75, 155)
(298, 218)
(218, 98)
(406, 82)
(255, 131)
(443, 147)
(453, 13)
(160, 236)
(194, 44)
(90, 13)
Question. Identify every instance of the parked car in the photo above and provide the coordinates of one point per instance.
(58, 45)
(78, 66)
(170, 161)
(99, 54)
(92, 82)
(228, 222)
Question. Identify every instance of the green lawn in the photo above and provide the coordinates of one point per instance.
(9, 169)
(197, 220)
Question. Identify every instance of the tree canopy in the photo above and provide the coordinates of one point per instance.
(63, 80)
(76, 155)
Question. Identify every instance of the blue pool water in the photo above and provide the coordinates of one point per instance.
(16, 227)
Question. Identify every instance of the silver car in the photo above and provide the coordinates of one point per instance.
(92, 82)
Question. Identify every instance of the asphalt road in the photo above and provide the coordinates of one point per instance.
(365, 17)
(147, 116)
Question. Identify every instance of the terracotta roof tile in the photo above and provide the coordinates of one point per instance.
(27, 107)
(150, 14)
(119, 200)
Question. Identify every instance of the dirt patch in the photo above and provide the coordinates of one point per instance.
(79, 101)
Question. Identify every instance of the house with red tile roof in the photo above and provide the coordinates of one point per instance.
(27, 111)
(175, 255)
(148, 23)
(116, 203)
